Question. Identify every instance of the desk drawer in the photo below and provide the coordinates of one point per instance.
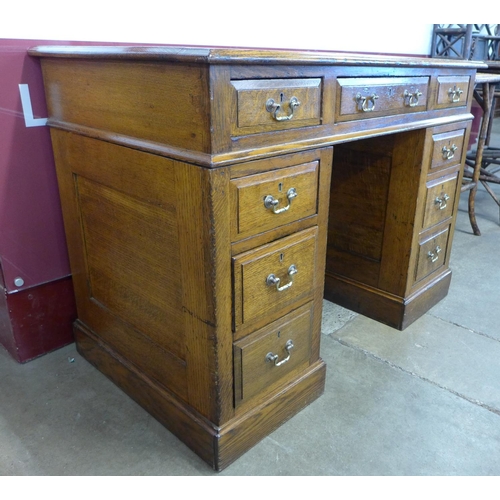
(276, 104)
(452, 91)
(439, 199)
(272, 355)
(274, 278)
(265, 201)
(432, 254)
(371, 97)
(447, 149)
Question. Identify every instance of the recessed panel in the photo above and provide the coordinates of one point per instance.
(132, 261)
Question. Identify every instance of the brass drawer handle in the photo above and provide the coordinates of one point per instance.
(449, 153)
(434, 255)
(273, 107)
(271, 202)
(442, 202)
(455, 93)
(273, 280)
(366, 103)
(411, 98)
(273, 358)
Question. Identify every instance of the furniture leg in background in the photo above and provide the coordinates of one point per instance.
(484, 94)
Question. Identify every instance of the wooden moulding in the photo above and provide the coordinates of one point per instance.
(218, 446)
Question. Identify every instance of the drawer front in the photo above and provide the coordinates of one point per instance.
(452, 91)
(274, 277)
(273, 355)
(370, 97)
(439, 200)
(276, 104)
(265, 201)
(432, 254)
(447, 149)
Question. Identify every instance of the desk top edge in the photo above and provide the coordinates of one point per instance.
(209, 55)
(487, 78)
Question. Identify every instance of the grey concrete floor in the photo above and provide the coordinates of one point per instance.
(423, 402)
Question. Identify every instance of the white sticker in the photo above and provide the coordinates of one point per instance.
(29, 119)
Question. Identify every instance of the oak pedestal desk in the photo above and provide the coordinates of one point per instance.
(213, 197)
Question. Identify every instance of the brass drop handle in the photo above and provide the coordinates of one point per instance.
(271, 202)
(274, 280)
(274, 107)
(273, 358)
(411, 98)
(449, 153)
(366, 103)
(455, 93)
(442, 202)
(434, 255)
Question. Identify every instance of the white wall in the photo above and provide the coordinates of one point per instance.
(308, 24)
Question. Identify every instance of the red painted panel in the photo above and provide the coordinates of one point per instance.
(41, 319)
(6, 334)
(32, 243)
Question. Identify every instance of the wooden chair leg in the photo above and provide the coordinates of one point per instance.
(472, 211)
(486, 104)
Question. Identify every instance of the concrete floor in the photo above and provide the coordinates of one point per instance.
(425, 401)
